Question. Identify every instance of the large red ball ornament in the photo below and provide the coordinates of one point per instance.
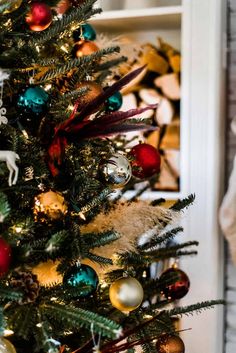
(174, 283)
(145, 161)
(5, 256)
(39, 17)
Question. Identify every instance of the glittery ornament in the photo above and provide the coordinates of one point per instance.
(14, 5)
(84, 48)
(116, 171)
(50, 205)
(47, 274)
(84, 32)
(145, 160)
(32, 102)
(126, 294)
(83, 278)
(5, 256)
(6, 346)
(174, 283)
(114, 102)
(170, 344)
(39, 17)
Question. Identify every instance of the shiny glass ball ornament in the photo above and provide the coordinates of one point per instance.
(5, 256)
(39, 17)
(84, 48)
(174, 283)
(6, 346)
(84, 32)
(126, 294)
(114, 102)
(49, 205)
(145, 161)
(14, 5)
(170, 344)
(32, 102)
(116, 170)
(83, 278)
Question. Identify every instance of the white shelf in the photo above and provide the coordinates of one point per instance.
(165, 17)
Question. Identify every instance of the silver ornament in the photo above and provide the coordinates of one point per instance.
(116, 171)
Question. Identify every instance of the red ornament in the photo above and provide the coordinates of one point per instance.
(39, 17)
(146, 160)
(5, 256)
(174, 283)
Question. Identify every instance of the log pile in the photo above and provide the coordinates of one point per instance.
(160, 83)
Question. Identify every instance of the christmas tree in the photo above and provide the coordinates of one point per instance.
(75, 257)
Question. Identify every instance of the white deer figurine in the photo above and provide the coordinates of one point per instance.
(10, 158)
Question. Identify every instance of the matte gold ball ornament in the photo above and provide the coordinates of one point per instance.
(13, 5)
(6, 346)
(50, 205)
(126, 294)
(170, 344)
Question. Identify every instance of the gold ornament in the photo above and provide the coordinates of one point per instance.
(15, 4)
(6, 346)
(126, 294)
(170, 344)
(84, 48)
(47, 274)
(50, 205)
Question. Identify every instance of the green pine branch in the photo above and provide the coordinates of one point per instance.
(4, 207)
(194, 308)
(76, 317)
(160, 240)
(184, 203)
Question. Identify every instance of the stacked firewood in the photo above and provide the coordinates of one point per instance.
(159, 83)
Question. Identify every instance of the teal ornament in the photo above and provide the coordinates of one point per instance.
(84, 32)
(82, 277)
(32, 101)
(114, 102)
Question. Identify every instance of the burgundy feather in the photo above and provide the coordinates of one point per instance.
(101, 98)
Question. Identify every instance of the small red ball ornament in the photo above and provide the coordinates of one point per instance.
(39, 17)
(174, 283)
(146, 160)
(5, 256)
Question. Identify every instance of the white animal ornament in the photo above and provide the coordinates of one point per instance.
(10, 158)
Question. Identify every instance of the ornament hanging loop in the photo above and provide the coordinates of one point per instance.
(96, 348)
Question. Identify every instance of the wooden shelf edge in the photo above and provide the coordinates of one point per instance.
(129, 13)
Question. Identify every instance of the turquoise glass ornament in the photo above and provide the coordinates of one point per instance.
(114, 102)
(33, 101)
(84, 32)
(82, 277)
